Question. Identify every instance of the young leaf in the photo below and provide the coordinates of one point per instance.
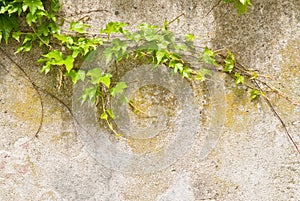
(33, 6)
(105, 79)
(190, 37)
(78, 27)
(76, 75)
(229, 62)
(7, 24)
(95, 75)
(159, 56)
(208, 56)
(239, 79)
(186, 72)
(111, 114)
(202, 73)
(113, 27)
(89, 94)
(118, 88)
(103, 116)
(68, 62)
(254, 94)
(16, 35)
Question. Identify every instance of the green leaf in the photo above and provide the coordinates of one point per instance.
(159, 56)
(186, 72)
(208, 56)
(78, 27)
(30, 18)
(16, 35)
(111, 114)
(189, 37)
(68, 62)
(254, 76)
(178, 67)
(104, 116)
(56, 55)
(105, 79)
(239, 79)
(7, 24)
(202, 73)
(108, 54)
(46, 68)
(89, 94)
(33, 6)
(118, 88)
(241, 5)
(229, 62)
(254, 94)
(64, 39)
(26, 47)
(180, 46)
(98, 77)
(113, 27)
(76, 75)
(95, 75)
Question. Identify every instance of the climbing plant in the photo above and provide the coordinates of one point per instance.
(32, 22)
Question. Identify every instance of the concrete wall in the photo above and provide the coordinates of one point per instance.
(240, 152)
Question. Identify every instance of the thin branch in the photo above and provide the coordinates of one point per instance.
(176, 18)
(35, 88)
(279, 118)
(213, 8)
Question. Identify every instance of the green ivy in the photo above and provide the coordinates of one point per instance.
(156, 44)
(241, 5)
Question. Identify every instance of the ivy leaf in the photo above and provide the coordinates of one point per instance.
(54, 55)
(31, 18)
(33, 6)
(178, 66)
(118, 88)
(108, 54)
(202, 73)
(159, 56)
(46, 68)
(76, 75)
(229, 62)
(111, 114)
(68, 62)
(7, 24)
(113, 27)
(98, 77)
(254, 94)
(78, 27)
(104, 116)
(89, 94)
(180, 46)
(208, 56)
(239, 79)
(95, 75)
(189, 37)
(186, 72)
(16, 35)
(105, 79)
(241, 5)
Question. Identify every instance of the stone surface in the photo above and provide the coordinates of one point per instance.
(248, 157)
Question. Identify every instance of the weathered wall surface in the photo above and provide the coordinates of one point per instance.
(251, 160)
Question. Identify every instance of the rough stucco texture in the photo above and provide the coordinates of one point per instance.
(252, 158)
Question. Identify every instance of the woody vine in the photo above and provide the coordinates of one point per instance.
(154, 44)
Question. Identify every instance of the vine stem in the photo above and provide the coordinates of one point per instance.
(213, 8)
(106, 119)
(36, 88)
(279, 118)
